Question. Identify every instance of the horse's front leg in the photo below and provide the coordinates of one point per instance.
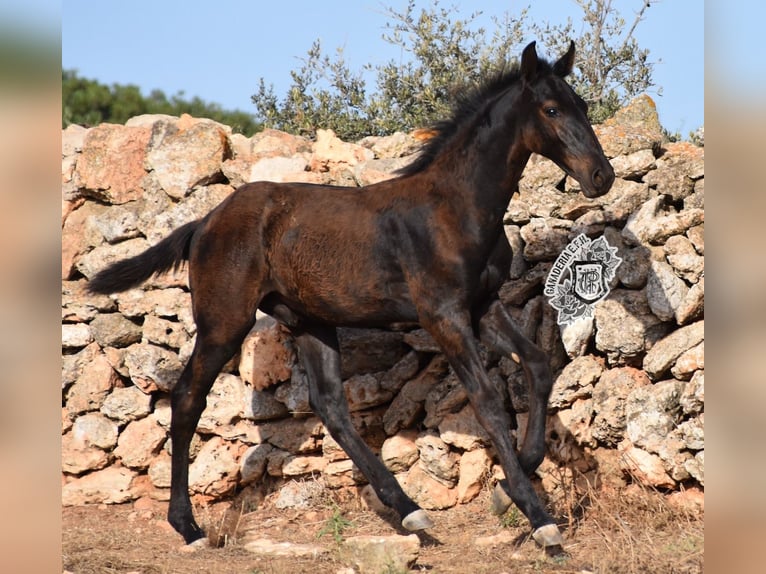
(498, 331)
(452, 329)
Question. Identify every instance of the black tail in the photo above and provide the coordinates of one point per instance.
(168, 253)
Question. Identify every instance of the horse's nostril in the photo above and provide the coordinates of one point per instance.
(598, 178)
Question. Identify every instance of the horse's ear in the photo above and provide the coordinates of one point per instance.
(529, 63)
(564, 66)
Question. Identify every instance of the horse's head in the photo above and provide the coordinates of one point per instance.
(556, 122)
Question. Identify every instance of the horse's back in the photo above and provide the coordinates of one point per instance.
(317, 249)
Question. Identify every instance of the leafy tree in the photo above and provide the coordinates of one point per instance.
(89, 102)
(611, 67)
(445, 53)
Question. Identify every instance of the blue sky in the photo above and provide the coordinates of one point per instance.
(219, 50)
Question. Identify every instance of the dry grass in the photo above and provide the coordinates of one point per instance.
(627, 530)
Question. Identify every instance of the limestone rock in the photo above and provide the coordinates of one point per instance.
(626, 326)
(224, 403)
(665, 291)
(654, 222)
(294, 435)
(104, 255)
(164, 333)
(396, 145)
(253, 463)
(77, 307)
(437, 459)
(78, 456)
(366, 351)
(643, 466)
(374, 554)
(474, 469)
(152, 367)
(215, 470)
(692, 307)
(545, 238)
(188, 155)
(664, 353)
(169, 303)
(681, 164)
(634, 165)
(299, 494)
(633, 128)
(577, 336)
(399, 452)
(266, 357)
(92, 386)
(266, 547)
(689, 362)
(78, 236)
(196, 205)
(576, 380)
(75, 335)
(462, 430)
(330, 150)
(426, 491)
(159, 470)
(683, 258)
(365, 391)
(262, 405)
(447, 396)
(408, 405)
(651, 412)
(94, 429)
(111, 164)
(609, 397)
(114, 330)
(295, 394)
(109, 486)
(139, 442)
(297, 465)
(73, 365)
(693, 396)
(117, 224)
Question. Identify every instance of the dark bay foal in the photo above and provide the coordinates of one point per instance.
(426, 247)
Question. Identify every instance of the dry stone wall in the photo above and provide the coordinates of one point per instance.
(628, 399)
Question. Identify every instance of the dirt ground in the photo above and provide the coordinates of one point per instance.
(630, 530)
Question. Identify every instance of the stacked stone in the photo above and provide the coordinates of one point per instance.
(628, 398)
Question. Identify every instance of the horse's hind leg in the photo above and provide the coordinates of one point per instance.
(216, 343)
(318, 354)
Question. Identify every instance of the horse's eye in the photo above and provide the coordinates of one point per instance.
(551, 112)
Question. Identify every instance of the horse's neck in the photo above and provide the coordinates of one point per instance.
(494, 171)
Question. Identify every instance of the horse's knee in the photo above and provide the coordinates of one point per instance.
(531, 458)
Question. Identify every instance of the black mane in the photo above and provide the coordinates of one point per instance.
(470, 99)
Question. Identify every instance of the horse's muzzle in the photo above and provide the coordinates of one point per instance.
(601, 180)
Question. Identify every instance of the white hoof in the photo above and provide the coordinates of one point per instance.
(501, 502)
(198, 544)
(417, 520)
(548, 535)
